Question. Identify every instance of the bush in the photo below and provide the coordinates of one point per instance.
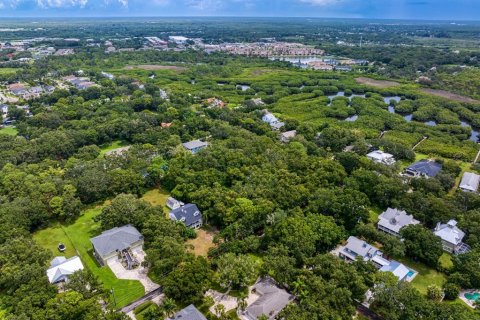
(434, 293)
(451, 291)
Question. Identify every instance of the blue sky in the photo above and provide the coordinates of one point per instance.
(383, 9)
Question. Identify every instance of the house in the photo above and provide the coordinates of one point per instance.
(61, 268)
(423, 168)
(393, 220)
(178, 39)
(173, 203)
(272, 121)
(189, 214)
(109, 244)
(470, 182)
(399, 270)
(379, 156)
(270, 300)
(195, 146)
(358, 248)
(451, 237)
(287, 136)
(188, 313)
(107, 75)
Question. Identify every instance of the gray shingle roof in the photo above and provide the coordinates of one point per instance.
(189, 313)
(361, 248)
(116, 239)
(426, 167)
(470, 182)
(194, 144)
(187, 213)
(271, 301)
(394, 219)
(449, 232)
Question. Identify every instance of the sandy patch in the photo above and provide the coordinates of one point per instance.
(449, 95)
(202, 243)
(154, 67)
(377, 83)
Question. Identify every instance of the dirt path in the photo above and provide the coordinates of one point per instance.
(424, 138)
(377, 83)
(449, 95)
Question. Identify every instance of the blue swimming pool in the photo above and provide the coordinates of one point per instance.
(410, 273)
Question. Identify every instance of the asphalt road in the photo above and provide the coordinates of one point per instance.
(149, 296)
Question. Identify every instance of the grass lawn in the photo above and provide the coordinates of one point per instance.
(9, 130)
(445, 261)
(8, 71)
(141, 309)
(77, 237)
(373, 214)
(156, 197)
(426, 276)
(112, 146)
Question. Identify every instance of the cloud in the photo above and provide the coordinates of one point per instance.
(323, 2)
(61, 3)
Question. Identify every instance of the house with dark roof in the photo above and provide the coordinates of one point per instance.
(451, 237)
(109, 244)
(61, 268)
(188, 313)
(195, 145)
(269, 300)
(392, 220)
(189, 214)
(423, 168)
(470, 182)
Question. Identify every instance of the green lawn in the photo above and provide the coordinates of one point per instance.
(8, 71)
(373, 214)
(77, 236)
(112, 146)
(426, 276)
(9, 130)
(445, 261)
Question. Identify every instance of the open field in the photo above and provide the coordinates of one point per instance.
(376, 83)
(77, 236)
(154, 67)
(8, 71)
(203, 242)
(11, 131)
(449, 95)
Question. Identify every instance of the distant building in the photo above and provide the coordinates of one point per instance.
(61, 268)
(272, 121)
(107, 75)
(288, 135)
(451, 237)
(423, 168)
(379, 156)
(195, 146)
(470, 182)
(178, 39)
(189, 214)
(270, 300)
(109, 244)
(173, 203)
(188, 313)
(393, 220)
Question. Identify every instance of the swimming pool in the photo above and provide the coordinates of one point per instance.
(410, 273)
(472, 296)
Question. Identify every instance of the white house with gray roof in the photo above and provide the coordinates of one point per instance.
(61, 268)
(189, 214)
(188, 313)
(267, 299)
(195, 145)
(110, 243)
(393, 220)
(379, 156)
(451, 237)
(470, 182)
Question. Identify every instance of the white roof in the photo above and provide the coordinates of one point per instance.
(394, 219)
(60, 272)
(470, 181)
(398, 269)
(379, 155)
(449, 232)
(289, 134)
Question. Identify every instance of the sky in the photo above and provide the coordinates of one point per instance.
(371, 9)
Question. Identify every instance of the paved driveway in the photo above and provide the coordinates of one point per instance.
(139, 273)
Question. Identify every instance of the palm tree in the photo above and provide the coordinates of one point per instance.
(168, 307)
